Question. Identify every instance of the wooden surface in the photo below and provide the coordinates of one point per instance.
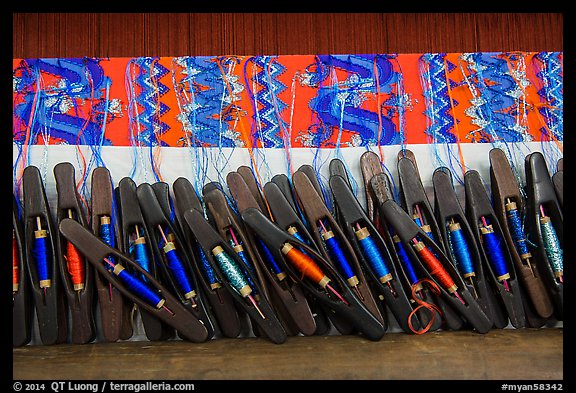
(194, 34)
(508, 354)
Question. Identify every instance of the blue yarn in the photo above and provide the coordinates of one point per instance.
(106, 236)
(495, 253)
(338, 256)
(374, 257)
(207, 268)
(461, 252)
(248, 266)
(177, 268)
(141, 257)
(269, 258)
(406, 263)
(518, 235)
(40, 252)
(139, 288)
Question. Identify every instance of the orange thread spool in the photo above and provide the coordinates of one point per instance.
(305, 265)
(435, 267)
(15, 264)
(75, 264)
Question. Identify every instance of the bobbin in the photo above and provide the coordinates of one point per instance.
(80, 299)
(380, 188)
(22, 306)
(130, 217)
(286, 216)
(287, 299)
(315, 210)
(48, 301)
(506, 193)
(114, 307)
(354, 312)
(351, 213)
(412, 194)
(219, 299)
(154, 212)
(447, 207)
(540, 192)
(478, 205)
(407, 230)
(175, 314)
(209, 239)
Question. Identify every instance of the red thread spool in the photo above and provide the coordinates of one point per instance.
(75, 264)
(15, 264)
(435, 267)
(305, 265)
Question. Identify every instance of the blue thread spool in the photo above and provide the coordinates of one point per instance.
(373, 255)
(106, 236)
(294, 232)
(425, 227)
(40, 252)
(495, 252)
(177, 268)
(406, 263)
(269, 258)
(461, 251)
(232, 271)
(235, 276)
(208, 270)
(515, 225)
(552, 246)
(140, 254)
(337, 254)
(138, 287)
(242, 254)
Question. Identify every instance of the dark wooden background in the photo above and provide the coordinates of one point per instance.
(181, 34)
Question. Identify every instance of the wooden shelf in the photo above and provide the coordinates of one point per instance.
(507, 354)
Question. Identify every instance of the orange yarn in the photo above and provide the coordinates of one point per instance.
(15, 265)
(76, 268)
(305, 265)
(436, 269)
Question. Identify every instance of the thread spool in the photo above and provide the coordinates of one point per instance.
(208, 270)
(461, 251)
(177, 268)
(271, 261)
(337, 254)
(495, 252)
(40, 252)
(139, 251)
(436, 269)
(15, 264)
(105, 233)
(138, 287)
(373, 255)
(232, 271)
(515, 225)
(306, 265)
(407, 264)
(239, 250)
(235, 276)
(552, 245)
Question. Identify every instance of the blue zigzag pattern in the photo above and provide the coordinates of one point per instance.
(270, 87)
(148, 79)
(438, 101)
(552, 91)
